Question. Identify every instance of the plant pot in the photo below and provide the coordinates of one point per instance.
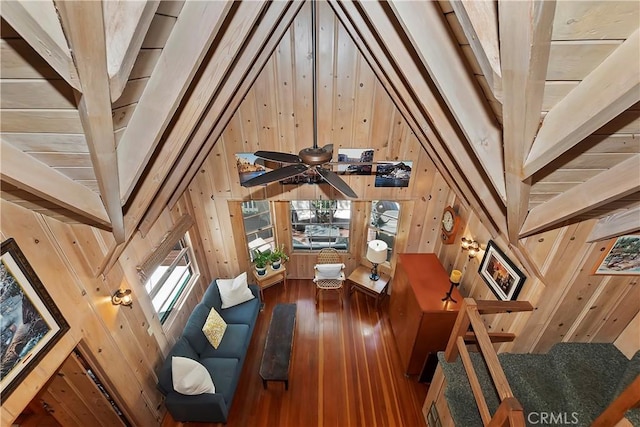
(261, 270)
(276, 264)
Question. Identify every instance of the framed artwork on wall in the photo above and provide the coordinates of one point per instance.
(622, 257)
(504, 279)
(30, 322)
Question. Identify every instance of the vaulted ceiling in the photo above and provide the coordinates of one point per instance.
(530, 110)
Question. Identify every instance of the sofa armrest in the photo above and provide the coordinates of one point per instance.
(199, 408)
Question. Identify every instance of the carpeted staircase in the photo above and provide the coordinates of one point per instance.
(570, 385)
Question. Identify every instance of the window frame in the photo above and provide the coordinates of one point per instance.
(372, 228)
(313, 206)
(271, 241)
(166, 317)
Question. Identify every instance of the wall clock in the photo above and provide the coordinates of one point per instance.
(450, 223)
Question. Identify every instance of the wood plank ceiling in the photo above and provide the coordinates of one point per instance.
(530, 110)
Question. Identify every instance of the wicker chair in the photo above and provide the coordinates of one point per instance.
(329, 272)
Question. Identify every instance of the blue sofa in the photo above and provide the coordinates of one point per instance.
(224, 363)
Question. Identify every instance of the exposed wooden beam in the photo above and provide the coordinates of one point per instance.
(84, 26)
(26, 173)
(37, 22)
(580, 113)
(525, 39)
(617, 224)
(126, 25)
(196, 27)
(225, 105)
(479, 21)
(251, 25)
(262, 43)
(395, 67)
(428, 32)
(610, 185)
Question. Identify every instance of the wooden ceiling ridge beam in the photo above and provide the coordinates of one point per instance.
(617, 224)
(37, 22)
(479, 21)
(179, 144)
(84, 26)
(31, 175)
(126, 25)
(231, 95)
(434, 122)
(581, 112)
(195, 29)
(525, 41)
(610, 185)
(393, 84)
(427, 31)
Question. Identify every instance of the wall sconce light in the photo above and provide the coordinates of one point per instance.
(377, 254)
(122, 297)
(470, 245)
(454, 279)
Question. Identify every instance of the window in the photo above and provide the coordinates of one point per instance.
(383, 224)
(169, 280)
(318, 224)
(258, 227)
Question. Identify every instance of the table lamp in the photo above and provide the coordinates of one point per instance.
(377, 254)
(454, 279)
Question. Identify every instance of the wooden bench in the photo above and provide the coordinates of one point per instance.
(278, 347)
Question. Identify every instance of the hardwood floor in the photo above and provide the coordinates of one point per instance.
(345, 368)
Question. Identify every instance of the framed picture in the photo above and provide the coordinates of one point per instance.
(502, 276)
(395, 174)
(30, 322)
(356, 156)
(622, 258)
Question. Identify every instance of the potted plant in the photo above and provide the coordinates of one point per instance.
(278, 256)
(260, 260)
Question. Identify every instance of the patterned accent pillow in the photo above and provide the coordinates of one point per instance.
(214, 328)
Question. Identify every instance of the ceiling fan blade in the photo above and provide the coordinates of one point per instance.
(278, 157)
(336, 182)
(275, 175)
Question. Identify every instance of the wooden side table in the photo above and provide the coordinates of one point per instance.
(359, 281)
(271, 278)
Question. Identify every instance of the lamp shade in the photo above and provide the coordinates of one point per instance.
(377, 251)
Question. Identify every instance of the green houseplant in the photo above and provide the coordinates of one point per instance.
(278, 255)
(260, 260)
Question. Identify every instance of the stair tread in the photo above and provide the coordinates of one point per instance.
(569, 378)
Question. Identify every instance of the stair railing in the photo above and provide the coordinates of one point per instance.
(509, 412)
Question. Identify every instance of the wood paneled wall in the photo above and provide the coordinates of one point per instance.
(128, 344)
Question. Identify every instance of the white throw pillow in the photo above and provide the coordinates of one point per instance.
(190, 377)
(328, 271)
(234, 291)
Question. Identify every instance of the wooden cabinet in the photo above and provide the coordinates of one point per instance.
(420, 320)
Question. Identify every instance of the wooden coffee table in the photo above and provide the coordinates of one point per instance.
(278, 347)
(359, 281)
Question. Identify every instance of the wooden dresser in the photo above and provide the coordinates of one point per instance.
(420, 320)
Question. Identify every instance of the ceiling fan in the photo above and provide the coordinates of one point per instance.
(310, 158)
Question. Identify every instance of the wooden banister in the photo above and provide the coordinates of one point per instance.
(474, 382)
(489, 354)
(459, 329)
(493, 307)
(495, 337)
(509, 413)
(629, 398)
